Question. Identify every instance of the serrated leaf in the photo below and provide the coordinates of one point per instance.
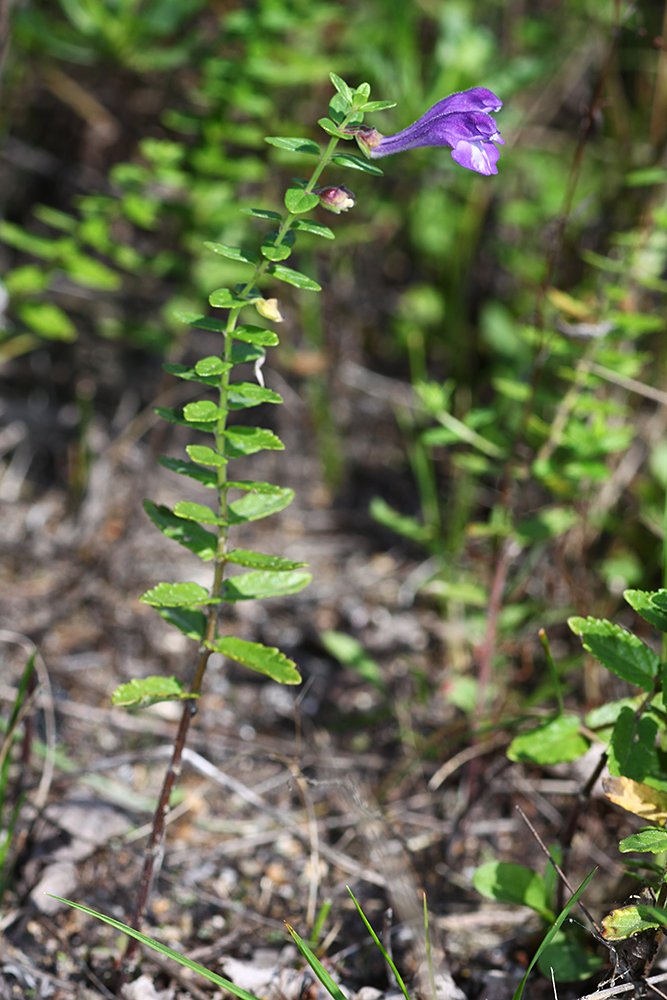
(265, 659)
(242, 440)
(242, 395)
(510, 883)
(212, 366)
(188, 534)
(255, 335)
(264, 213)
(197, 512)
(203, 410)
(234, 253)
(553, 742)
(183, 468)
(190, 621)
(619, 651)
(298, 201)
(632, 746)
(145, 691)
(257, 560)
(264, 583)
(308, 226)
(356, 163)
(648, 803)
(642, 602)
(204, 455)
(177, 595)
(647, 842)
(294, 145)
(294, 277)
(176, 417)
(191, 375)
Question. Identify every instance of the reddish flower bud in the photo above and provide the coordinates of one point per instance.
(336, 199)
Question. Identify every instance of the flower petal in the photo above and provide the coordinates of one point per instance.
(479, 156)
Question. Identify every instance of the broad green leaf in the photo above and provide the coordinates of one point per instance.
(632, 746)
(190, 621)
(212, 366)
(608, 713)
(177, 595)
(624, 923)
(162, 949)
(264, 213)
(255, 505)
(234, 253)
(342, 88)
(308, 226)
(357, 163)
(145, 691)
(197, 512)
(350, 652)
(242, 440)
(509, 883)
(188, 534)
(298, 201)
(273, 252)
(644, 801)
(204, 322)
(257, 560)
(204, 455)
(403, 525)
(363, 91)
(294, 145)
(183, 468)
(642, 602)
(223, 298)
(47, 319)
(27, 279)
(619, 651)
(647, 841)
(294, 277)
(255, 335)
(264, 583)
(332, 129)
(571, 960)
(265, 659)
(244, 394)
(203, 410)
(177, 417)
(552, 742)
(191, 374)
(243, 352)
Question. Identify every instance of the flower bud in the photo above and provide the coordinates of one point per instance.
(336, 199)
(269, 309)
(367, 138)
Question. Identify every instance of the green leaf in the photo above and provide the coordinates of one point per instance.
(204, 455)
(647, 176)
(256, 560)
(652, 841)
(162, 949)
(27, 279)
(298, 201)
(38, 246)
(552, 742)
(570, 960)
(197, 512)
(363, 91)
(256, 505)
(255, 335)
(212, 366)
(265, 659)
(242, 440)
(245, 352)
(509, 883)
(342, 88)
(357, 163)
(308, 226)
(252, 484)
(350, 652)
(332, 129)
(176, 417)
(242, 395)
(625, 922)
(192, 375)
(330, 985)
(294, 145)
(264, 583)
(145, 691)
(183, 468)
(403, 525)
(177, 595)
(550, 522)
(273, 252)
(234, 253)
(203, 322)
(223, 298)
(642, 602)
(294, 277)
(377, 106)
(387, 957)
(619, 651)
(203, 410)
(48, 320)
(632, 745)
(191, 536)
(190, 621)
(264, 213)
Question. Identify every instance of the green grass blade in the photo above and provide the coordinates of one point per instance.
(560, 919)
(163, 950)
(330, 986)
(387, 958)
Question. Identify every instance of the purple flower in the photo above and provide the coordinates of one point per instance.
(462, 121)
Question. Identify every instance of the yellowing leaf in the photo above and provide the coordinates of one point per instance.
(642, 800)
(569, 305)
